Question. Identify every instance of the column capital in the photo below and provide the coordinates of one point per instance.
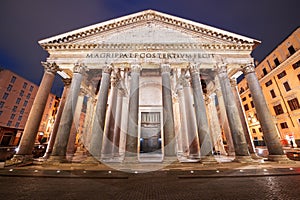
(136, 68)
(165, 68)
(233, 82)
(193, 68)
(183, 81)
(222, 68)
(107, 69)
(249, 68)
(50, 67)
(67, 81)
(79, 68)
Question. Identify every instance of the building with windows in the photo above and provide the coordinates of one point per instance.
(279, 77)
(16, 98)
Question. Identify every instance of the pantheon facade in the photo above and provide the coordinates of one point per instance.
(152, 87)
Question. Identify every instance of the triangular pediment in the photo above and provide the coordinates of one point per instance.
(149, 27)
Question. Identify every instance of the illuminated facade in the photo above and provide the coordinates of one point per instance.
(279, 77)
(148, 83)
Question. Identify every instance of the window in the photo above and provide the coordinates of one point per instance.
(265, 71)
(268, 83)
(281, 75)
(22, 111)
(273, 95)
(1, 104)
(291, 50)
(296, 65)
(18, 100)
(17, 124)
(25, 103)
(244, 98)
(252, 104)
(259, 129)
(242, 90)
(253, 130)
(278, 109)
(28, 96)
(12, 116)
(14, 109)
(276, 61)
(31, 88)
(1, 112)
(9, 87)
(249, 95)
(298, 77)
(13, 79)
(21, 93)
(5, 95)
(9, 123)
(19, 118)
(25, 85)
(294, 104)
(283, 125)
(286, 86)
(246, 107)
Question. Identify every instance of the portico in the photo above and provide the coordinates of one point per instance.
(145, 78)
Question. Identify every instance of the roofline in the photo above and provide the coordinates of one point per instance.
(234, 35)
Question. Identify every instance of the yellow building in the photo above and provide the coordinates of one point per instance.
(279, 77)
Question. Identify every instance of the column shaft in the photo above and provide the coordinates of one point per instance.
(168, 118)
(63, 133)
(36, 112)
(133, 112)
(49, 149)
(239, 141)
(265, 118)
(201, 117)
(117, 125)
(99, 116)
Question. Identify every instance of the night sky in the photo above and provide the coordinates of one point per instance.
(24, 22)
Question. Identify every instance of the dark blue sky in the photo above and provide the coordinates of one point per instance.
(24, 22)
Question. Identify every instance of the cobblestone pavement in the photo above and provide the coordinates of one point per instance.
(151, 186)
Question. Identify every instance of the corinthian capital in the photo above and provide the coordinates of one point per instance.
(233, 82)
(107, 69)
(194, 69)
(249, 68)
(222, 68)
(135, 68)
(79, 68)
(165, 68)
(67, 81)
(50, 67)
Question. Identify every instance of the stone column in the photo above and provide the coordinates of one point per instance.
(235, 124)
(191, 123)
(183, 144)
(224, 121)
(117, 125)
(74, 129)
(62, 102)
(36, 113)
(66, 121)
(201, 117)
(168, 116)
(99, 117)
(243, 118)
(110, 121)
(133, 112)
(265, 118)
(88, 121)
(216, 134)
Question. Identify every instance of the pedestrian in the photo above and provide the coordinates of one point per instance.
(292, 143)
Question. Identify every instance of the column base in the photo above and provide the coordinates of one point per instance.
(91, 160)
(254, 156)
(209, 160)
(56, 160)
(243, 159)
(20, 159)
(132, 159)
(280, 159)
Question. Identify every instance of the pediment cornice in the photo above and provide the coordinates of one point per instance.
(138, 46)
(147, 16)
